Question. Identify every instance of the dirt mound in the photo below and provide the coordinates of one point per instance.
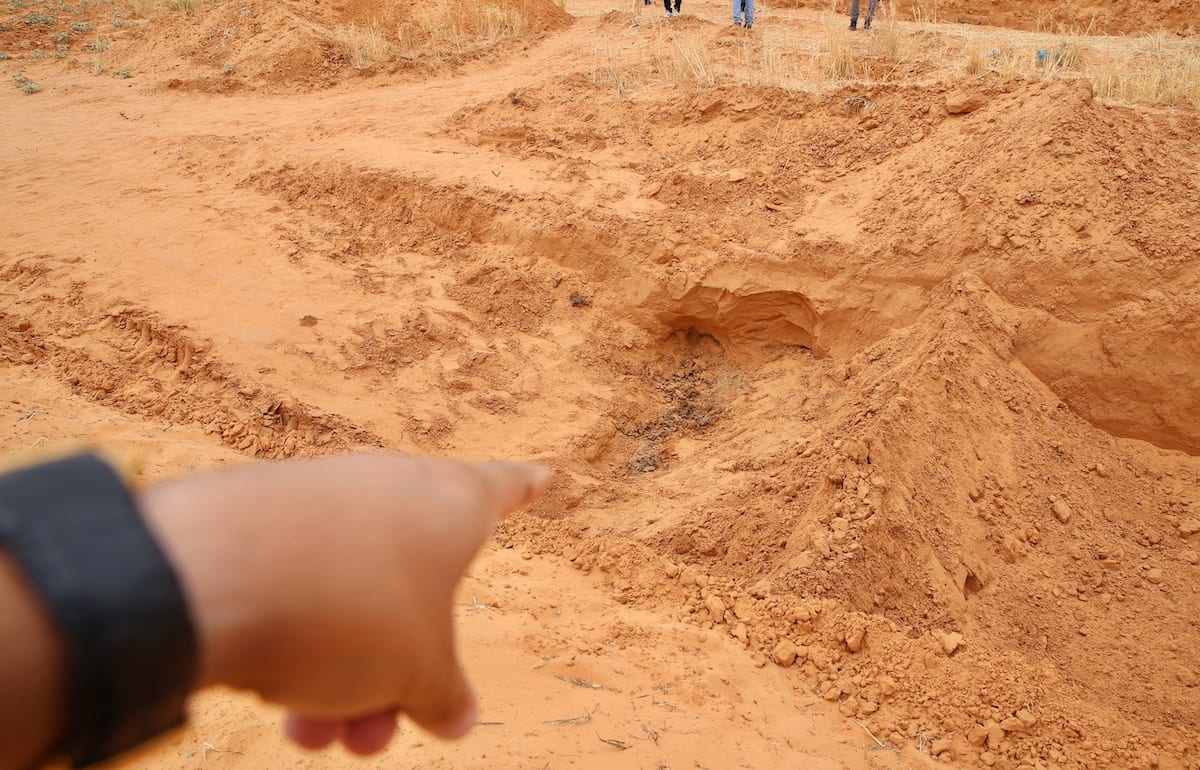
(1098, 16)
(287, 43)
(1028, 182)
(1051, 204)
(927, 294)
(272, 41)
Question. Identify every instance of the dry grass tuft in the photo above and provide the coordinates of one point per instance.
(611, 68)
(363, 47)
(977, 58)
(781, 62)
(839, 61)
(886, 42)
(1156, 70)
(459, 24)
(689, 60)
(925, 14)
(1163, 71)
(150, 8)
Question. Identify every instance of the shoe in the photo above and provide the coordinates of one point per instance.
(867, 25)
(737, 22)
(853, 24)
(749, 25)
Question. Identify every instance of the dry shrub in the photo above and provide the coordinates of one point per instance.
(839, 61)
(689, 60)
(458, 24)
(146, 8)
(682, 58)
(1157, 70)
(885, 41)
(1013, 58)
(1068, 56)
(1164, 72)
(611, 68)
(779, 62)
(924, 12)
(362, 46)
(977, 58)
(1161, 70)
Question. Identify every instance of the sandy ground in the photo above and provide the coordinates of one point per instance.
(874, 410)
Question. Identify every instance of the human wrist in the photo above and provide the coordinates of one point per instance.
(194, 540)
(118, 613)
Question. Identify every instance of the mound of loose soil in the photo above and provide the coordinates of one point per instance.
(296, 44)
(941, 525)
(273, 41)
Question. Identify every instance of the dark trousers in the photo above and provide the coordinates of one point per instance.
(870, 10)
(667, 5)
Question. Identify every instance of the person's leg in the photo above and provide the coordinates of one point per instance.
(853, 14)
(749, 13)
(870, 13)
(667, 4)
(678, 5)
(737, 11)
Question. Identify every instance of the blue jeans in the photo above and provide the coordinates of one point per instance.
(870, 10)
(747, 7)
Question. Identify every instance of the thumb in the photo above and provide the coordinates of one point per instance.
(450, 710)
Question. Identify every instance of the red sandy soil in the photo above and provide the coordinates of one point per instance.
(1110, 17)
(874, 411)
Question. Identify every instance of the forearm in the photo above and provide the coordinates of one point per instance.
(32, 673)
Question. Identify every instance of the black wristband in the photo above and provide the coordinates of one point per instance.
(73, 529)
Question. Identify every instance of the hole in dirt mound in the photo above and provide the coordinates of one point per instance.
(744, 320)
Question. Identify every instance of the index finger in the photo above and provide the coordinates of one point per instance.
(512, 485)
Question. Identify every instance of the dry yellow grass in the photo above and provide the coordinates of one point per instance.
(782, 62)
(458, 24)
(689, 60)
(614, 68)
(838, 59)
(1161, 70)
(886, 41)
(1156, 70)
(977, 58)
(150, 8)
(363, 47)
